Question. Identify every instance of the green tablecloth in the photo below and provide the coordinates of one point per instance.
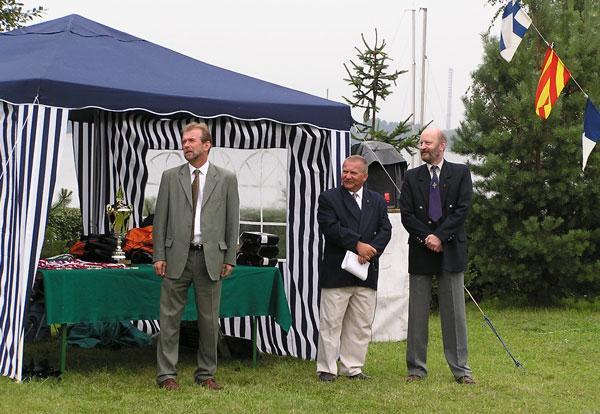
(74, 296)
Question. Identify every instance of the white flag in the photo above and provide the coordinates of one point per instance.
(515, 23)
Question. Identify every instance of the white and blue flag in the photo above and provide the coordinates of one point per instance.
(515, 23)
(591, 130)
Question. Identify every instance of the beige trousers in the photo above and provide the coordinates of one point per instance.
(345, 319)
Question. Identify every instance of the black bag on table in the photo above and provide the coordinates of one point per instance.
(256, 249)
(255, 237)
(99, 247)
(255, 260)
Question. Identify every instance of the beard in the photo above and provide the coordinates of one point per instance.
(431, 155)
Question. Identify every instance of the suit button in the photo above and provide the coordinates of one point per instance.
(429, 222)
(450, 206)
(421, 207)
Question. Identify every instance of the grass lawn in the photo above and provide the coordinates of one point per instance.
(560, 349)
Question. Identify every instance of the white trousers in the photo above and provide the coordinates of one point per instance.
(345, 319)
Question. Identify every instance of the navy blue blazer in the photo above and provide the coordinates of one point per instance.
(456, 194)
(343, 225)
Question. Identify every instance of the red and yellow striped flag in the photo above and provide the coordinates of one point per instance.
(552, 81)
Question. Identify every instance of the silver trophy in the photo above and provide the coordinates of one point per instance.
(118, 214)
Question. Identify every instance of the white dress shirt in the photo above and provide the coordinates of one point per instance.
(202, 177)
(357, 196)
(439, 171)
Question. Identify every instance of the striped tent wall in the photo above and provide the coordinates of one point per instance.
(314, 162)
(29, 146)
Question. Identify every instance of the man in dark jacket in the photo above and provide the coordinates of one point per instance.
(434, 203)
(351, 218)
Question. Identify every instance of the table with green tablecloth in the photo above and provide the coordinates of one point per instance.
(93, 295)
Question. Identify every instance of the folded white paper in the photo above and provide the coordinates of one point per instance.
(350, 264)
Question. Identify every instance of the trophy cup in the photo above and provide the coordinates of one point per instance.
(118, 214)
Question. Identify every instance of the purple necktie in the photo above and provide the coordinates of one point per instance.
(435, 202)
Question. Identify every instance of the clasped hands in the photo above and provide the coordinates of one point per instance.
(434, 243)
(365, 252)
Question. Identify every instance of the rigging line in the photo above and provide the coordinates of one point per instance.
(397, 28)
(552, 47)
(573, 77)
(367, 144)
(538, 32)
(435, 87)
(18, 140)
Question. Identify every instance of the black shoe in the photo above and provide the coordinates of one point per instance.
(360, 376)
(326, 377)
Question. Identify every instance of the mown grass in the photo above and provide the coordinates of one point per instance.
(560, 349)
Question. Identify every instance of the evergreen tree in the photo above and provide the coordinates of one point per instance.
(13, 16)
(535, 221)
(371, 79)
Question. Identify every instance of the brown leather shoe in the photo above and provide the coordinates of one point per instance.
(211, 384)
(169, 384)
(466, 380)
(413, 378)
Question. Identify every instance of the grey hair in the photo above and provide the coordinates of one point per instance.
(361, 159)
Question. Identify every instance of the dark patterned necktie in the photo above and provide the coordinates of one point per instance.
(435, 202)
(195, 191)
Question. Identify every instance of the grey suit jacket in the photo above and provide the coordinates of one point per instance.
(219, 219)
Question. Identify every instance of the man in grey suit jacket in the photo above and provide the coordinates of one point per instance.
(434, 202)
(196, 227)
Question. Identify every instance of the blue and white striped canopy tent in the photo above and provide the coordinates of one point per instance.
(124, 96)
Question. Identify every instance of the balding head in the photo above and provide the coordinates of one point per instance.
(432, 145)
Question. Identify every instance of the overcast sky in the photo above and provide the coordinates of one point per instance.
(302, 44)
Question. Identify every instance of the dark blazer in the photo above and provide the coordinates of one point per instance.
(343, 224)
(456, 193)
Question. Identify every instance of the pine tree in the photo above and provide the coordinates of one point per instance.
(371, 79)
(535, 221)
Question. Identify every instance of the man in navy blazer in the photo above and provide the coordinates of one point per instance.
(351, 218)
(434, 203)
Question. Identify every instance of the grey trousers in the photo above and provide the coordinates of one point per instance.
(173, 297)
(453, 321)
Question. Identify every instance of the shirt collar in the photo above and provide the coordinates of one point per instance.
(203, 169)
(359, 192)
(441, 163)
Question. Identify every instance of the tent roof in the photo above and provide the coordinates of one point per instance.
(73, 62)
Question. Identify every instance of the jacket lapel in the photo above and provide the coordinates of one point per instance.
(424, 183)
(445, 178)
(366, 211)
(212, 177)
(350, 204)
(185, 180)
